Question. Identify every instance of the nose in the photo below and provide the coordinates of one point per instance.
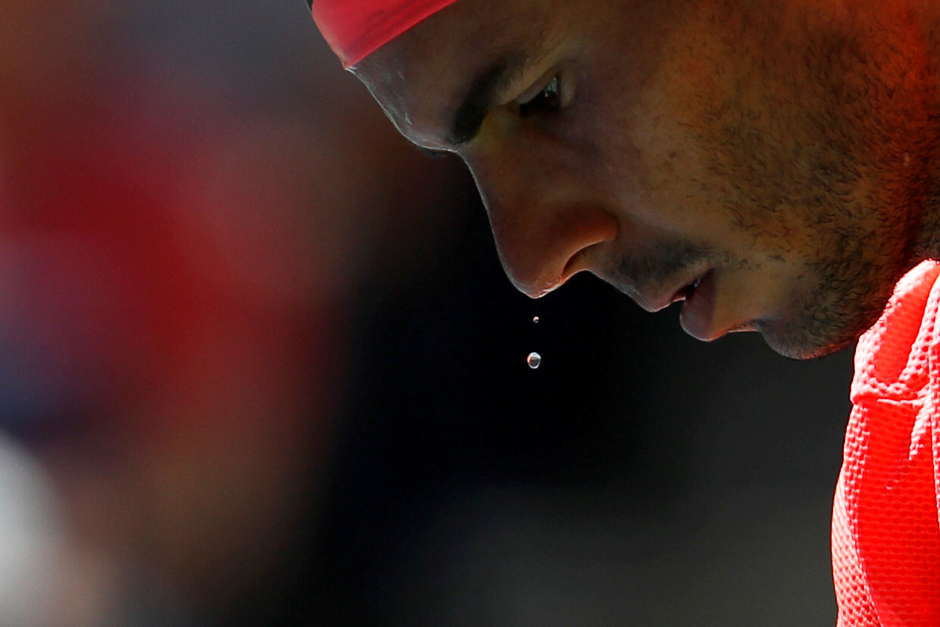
(543, 219)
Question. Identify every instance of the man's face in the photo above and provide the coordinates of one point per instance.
(758, 160)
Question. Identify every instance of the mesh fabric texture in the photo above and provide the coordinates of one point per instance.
(885, 533)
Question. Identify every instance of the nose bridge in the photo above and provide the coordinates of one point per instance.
(542, 217)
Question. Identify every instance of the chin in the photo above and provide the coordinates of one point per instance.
(832, 315)
(810, 339)
(801, 351)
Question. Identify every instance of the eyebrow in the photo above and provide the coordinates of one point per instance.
(481, 97)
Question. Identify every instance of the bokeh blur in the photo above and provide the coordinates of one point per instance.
(259, 366)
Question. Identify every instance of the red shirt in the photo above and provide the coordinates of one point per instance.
(885, 533)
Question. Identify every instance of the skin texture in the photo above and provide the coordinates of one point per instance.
(781, 152)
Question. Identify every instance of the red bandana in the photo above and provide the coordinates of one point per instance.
(356, 28)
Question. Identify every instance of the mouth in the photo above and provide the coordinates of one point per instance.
(686, 292)
(653, 300)
(699, 298)
(698, 308)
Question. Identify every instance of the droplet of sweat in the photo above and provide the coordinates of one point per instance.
(534, 360)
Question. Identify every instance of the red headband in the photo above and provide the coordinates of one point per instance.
(357, 28)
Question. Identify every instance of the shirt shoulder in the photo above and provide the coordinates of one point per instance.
(893, 358)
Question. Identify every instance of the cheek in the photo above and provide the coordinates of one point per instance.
(649, 132)
(633, 109)
(676, 140)
(662, 176)
(704, 158)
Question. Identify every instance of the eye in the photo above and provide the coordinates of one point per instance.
(548, 100)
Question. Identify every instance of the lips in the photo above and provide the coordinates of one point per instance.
(657, 300)
(698, 310)
(699, 297)
(686, 292)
